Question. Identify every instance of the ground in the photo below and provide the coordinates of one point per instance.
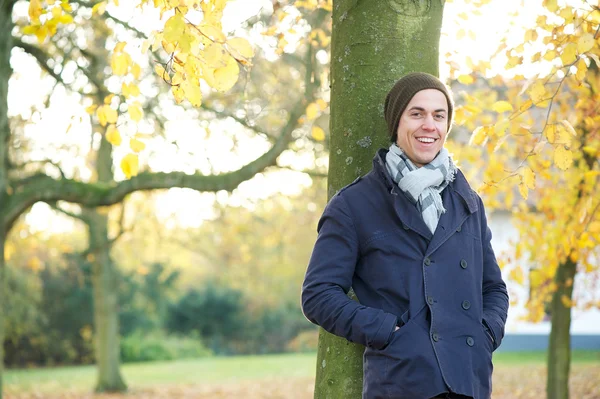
(510, 382)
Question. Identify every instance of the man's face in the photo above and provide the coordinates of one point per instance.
(423, 126)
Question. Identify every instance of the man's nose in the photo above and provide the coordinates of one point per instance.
(429, 123)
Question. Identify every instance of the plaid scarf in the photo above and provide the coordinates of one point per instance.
(423, 186)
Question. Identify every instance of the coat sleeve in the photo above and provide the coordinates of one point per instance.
(329, 277)
(495, 295)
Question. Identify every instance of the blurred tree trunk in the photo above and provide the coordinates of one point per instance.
(105, 285)
(559, 350)
(5, 73)
(373, 45)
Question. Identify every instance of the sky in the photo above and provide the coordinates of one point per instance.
(481, 32)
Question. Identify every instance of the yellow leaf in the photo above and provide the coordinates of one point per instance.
(563, 158)
(214, 55)
(135, 111)
(566, 301)
(550, 55)
(479, 135)
(460, 34)
(537, 92)
(513, 62)
(99, 8)
(318, 133)
(502, 106)
(212, 32)
(525, 106)
(56, 12)
(312, 111)
(551, 5)
(119, 47)
(500, 128)
(35, 10)
(136, 70)
(108, 99)
(581, 70)
(240, 48)
(130, 165)
(585, 43)
(528, 176)
(178, 94)
(192, 92)
(177, 78)
(113, 136)
(569, 54)
(136, 145)
(111, 114)
(174, 28)
(224, 78)
(524, 191)
(569, 127)
(91, 109)
(322, 104)
(101, 114)
(120, 63)
(516, 275)
(466, 79)
(160, 71)
(66, 6)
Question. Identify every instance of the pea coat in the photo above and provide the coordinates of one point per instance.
(445, 290)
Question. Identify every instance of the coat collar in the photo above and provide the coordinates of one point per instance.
(460, 185)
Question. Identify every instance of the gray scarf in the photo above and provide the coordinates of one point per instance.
(423, 186)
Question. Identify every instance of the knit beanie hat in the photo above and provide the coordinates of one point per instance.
(404, 90)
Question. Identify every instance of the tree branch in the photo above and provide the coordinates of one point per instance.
(44, 188)
(40, 56)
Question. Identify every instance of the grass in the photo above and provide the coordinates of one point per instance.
(189, 371)
(217, 370)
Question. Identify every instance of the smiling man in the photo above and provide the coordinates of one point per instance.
(411, 238)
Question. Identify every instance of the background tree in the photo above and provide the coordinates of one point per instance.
(23, 185)
(539, 136)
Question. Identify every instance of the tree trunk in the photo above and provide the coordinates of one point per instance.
(105, 286)
(5, 73)
(559, 349)
(374, 43)
(106, 306)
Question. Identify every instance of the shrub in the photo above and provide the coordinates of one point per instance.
(140, 347)
(306, 341)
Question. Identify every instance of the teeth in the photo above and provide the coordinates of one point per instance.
(426, 140)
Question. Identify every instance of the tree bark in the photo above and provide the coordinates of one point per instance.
(107, 345)
(106, 306)
(6, 23)
(374, 43)
(559, 349)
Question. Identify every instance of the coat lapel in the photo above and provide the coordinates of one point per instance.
(460, 201)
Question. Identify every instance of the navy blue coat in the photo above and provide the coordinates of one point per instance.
(444, 289)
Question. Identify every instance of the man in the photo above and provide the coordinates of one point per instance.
(411, 238)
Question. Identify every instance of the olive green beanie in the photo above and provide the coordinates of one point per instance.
(404, 90)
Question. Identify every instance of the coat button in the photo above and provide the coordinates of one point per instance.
(466, 305)
(405, 226)
(459, 228)
(470, 341)
(435, 337)
(430, 300)
(427, 261)
(463, 264)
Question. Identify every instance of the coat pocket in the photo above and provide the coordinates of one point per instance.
(406, 367)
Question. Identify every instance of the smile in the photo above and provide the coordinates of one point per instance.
(426, 139)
